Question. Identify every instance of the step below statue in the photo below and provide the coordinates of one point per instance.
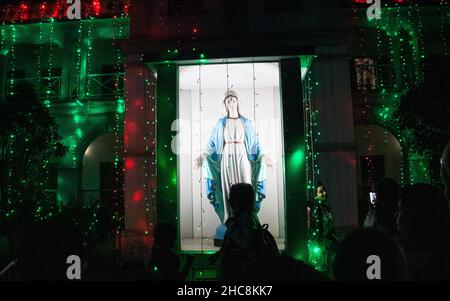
(232, 155)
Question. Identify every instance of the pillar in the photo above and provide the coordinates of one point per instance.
(336, 143)
(139, 161)
(294, 149)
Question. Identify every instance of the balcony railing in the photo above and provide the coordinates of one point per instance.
(101, 86)
(105, 84)
(46, 87)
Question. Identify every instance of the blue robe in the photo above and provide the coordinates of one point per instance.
(212, 172)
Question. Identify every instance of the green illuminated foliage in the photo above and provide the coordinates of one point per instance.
(29, 138)
(423, 114)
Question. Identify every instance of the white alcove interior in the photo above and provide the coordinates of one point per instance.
(200, 105)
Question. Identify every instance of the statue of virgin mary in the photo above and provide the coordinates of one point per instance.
(233, 155)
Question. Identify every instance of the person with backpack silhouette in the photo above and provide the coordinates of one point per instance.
(164, 263)
(246, 242)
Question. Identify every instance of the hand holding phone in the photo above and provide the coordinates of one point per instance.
(373, 197)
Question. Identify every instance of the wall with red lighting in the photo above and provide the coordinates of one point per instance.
(139, 162)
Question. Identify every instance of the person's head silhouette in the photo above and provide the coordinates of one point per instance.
(423, 214)
(388, 195)
(353, 256)
(242, 198)
(165, 235)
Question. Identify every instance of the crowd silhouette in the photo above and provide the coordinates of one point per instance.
(408, 229)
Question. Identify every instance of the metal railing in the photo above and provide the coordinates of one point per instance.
(45, 87)
(105, 84)
(97, 85)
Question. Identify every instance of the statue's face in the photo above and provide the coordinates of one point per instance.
(231, 103)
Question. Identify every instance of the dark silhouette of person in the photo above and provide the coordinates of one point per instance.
(164, 263)
(132, 266)
(351, 260)
(322, 217)
(44, 248)
(445, 169)
(284, 268)
(321, 228)
(382, 215)
(245, 243)
(423, 222)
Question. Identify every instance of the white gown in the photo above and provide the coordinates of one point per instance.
(235, 166)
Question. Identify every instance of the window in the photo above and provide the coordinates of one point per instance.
(365, 75)
(106, 175)
(106, 182)
(106, 195)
